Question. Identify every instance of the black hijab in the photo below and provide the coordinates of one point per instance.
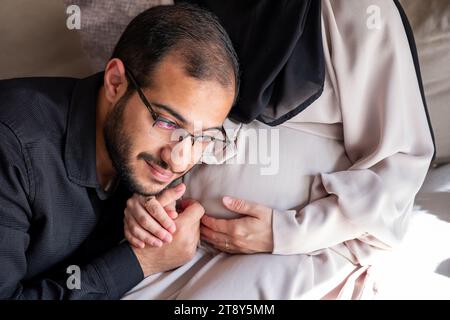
(279, 45)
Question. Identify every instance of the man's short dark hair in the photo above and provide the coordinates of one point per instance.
(187, 30)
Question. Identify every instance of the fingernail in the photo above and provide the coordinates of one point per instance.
(172, 228)
(157, 243)
(179, 187)
(167, 238)
(227, 200)
(173, 214)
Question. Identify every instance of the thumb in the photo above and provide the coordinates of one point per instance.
(171, 195)
(184, 203)
(244, 207)
(171, 210)
(193, 211)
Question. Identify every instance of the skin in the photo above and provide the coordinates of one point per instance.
(202, 101)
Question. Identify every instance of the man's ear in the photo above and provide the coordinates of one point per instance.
(115, 80)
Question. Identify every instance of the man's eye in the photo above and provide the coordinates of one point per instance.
(165, 124)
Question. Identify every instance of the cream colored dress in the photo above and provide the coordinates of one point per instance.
(349, 167)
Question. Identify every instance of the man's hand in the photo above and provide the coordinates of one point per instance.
(250, 234)
(149, 220)
(181, 249)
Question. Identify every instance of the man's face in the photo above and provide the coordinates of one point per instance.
(145, 156)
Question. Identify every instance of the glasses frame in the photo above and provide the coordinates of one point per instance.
(156, 117)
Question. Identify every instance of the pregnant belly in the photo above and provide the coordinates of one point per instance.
(274, 166)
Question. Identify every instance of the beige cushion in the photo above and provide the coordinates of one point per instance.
(430, 21)
(36, 41)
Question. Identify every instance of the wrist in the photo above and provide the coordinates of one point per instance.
(147, 265)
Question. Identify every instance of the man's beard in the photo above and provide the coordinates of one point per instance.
(119, 145)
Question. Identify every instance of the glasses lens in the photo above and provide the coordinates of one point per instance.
(210, 141)
(214, 135)
(218, 142)
(179, 135)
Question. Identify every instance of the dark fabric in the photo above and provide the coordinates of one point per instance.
(279, 45)
(412, 45)
(52, 211)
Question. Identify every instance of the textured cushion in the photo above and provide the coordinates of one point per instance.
(103, 22)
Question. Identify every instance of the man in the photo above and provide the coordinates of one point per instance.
(73, 151)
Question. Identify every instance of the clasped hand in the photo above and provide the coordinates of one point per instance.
(151, 221)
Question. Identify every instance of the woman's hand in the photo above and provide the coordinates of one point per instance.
(251, 233)
(150, 220)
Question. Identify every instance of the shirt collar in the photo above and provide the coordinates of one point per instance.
(79, 154)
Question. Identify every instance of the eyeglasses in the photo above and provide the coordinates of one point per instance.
(173, 131)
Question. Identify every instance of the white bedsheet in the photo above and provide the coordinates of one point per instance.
(420, 267)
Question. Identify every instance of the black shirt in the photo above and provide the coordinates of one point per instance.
(53, 213)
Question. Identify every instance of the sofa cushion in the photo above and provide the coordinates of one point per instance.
(430, 21)
(37, 42)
